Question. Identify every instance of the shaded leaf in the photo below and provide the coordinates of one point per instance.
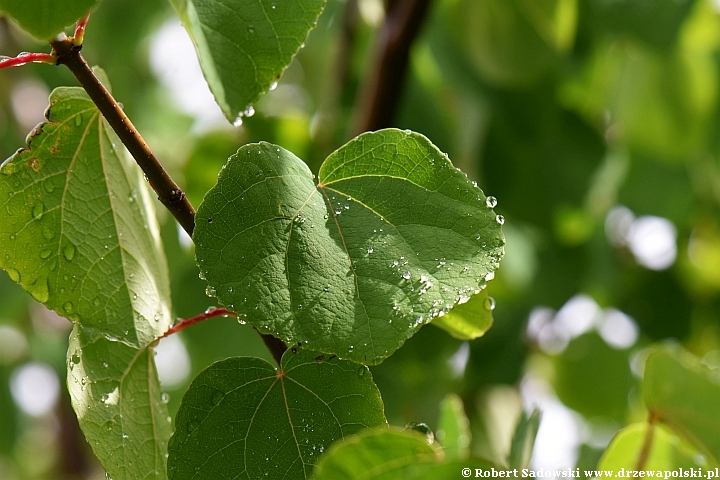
(45, 19)
(243, 418)
(245, 45)
(685, 395)
(78, 231)
(389, 455)
(391, 236)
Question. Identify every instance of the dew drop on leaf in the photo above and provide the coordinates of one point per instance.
(69, 252)
(500, 219)
(491, 202)
(490, 303)
(38, 210)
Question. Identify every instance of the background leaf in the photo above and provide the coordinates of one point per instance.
(245, 45)
(391, 236)
(667, 451)
(243, 418)
(685, 395)
(388, 455)
(453, 430)
(44, 19)
(523, 440)
(78, 232)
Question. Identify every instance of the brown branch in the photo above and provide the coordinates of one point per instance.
(647, 443)
(380, 95)
(169, 193)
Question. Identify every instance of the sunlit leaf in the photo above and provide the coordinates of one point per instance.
(245, 45)
(78, 231)
(390, 237)
(685, 395)
(389, 455)
(469, 320)
(243, 418)
(666, 450)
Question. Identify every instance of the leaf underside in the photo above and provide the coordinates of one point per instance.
(45, 19)
(390, 237)
(78, 232)
(242, 418)
(245, 45)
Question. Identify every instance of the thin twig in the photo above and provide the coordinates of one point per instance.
(379, 97)
(25, 58)
(169, 193)
(647, 443)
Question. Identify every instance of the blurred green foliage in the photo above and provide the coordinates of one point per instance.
(562, 109)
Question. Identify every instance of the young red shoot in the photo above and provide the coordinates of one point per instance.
(25, 58)
(80, 30)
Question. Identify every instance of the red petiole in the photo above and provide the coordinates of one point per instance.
(182, 324)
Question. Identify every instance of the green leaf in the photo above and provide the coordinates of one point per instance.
(390, 454)
(453, 430)
(78, 231)
(469, 320)
(245, 45)
(685, 395)
(390, 237)
(46, 18)
(523, 440)
(243, 418)
(667, 451)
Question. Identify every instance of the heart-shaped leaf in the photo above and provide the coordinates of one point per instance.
(243, 418)
(45, 19)
(245, 45)
(78, 231)
(390, 237)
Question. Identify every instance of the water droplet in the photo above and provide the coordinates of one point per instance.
(273, 6)
(45, 253)
(38, 210)
(78, 120)
(249, 111)
(125, 436)
(370, 250)
(490, 303)
(242, 318)
(210, 291)
(251, 29)
(491, 202)
(238, 122)
(68, 307)
(273, 85)
(489, 276)
(406, 275)
(407, 132)
(48, 233)
(164, 398)
(39, 290)
(351, 348)
(75, 358)
(361, 371)
(500, 219)
(69, 252)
